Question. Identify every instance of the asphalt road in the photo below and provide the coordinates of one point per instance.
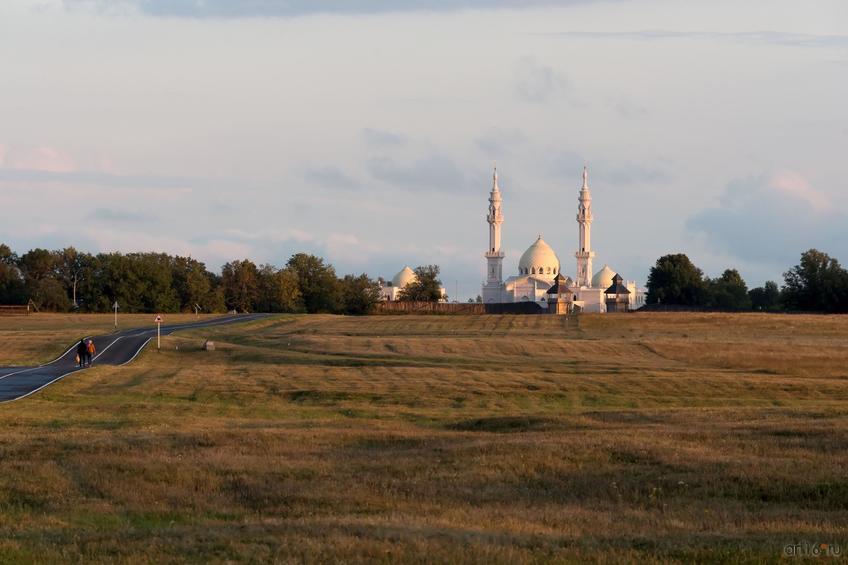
(118, 348)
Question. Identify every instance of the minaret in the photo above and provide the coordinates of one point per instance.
(494, 255)
(584, 220)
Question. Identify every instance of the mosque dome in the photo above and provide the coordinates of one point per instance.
(404, 277)
(539, 259)
(603, 278)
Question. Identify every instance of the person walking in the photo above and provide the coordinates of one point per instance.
(90, 351)
(82, 351)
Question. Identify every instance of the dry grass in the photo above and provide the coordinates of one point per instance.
(657, 437)
(39, 338)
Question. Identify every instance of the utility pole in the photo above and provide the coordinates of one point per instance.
(158, 321)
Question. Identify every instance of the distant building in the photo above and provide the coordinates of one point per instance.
(390, 290)
(539, 268)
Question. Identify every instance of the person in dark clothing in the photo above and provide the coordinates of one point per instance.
(82, 351)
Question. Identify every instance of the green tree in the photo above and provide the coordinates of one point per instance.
(140, 282)
(728, 292)
(425, 288)
(278, 290)
(288, 289)
(12, 289)
(675, 280)
(360, 295)
(192, 283)
(37, 264)
(69, 266)
(49, 294)
(818, 284)
(7, 256)
(317, 282)
(241, 285)
(214, 301)
(765, 298)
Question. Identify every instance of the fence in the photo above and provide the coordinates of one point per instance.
(458, 308)
(14, 310)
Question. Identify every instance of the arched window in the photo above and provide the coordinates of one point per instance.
(534, 270)
(549, 270)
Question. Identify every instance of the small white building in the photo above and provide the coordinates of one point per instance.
(540, 265)
(390, 290)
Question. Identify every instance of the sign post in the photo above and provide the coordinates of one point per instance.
(115, 306)
(158, 321)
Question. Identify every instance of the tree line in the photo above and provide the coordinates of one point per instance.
(62, 280)
(818, 283)
(66, 279)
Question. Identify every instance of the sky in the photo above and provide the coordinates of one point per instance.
(365, 131)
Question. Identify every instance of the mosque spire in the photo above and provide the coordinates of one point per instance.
(584, 253)
(494, 255)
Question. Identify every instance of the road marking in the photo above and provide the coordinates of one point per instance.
(105, 349)
(19, 372)
(62, 356)
(39, 388)
(136, 333)
(136, 353)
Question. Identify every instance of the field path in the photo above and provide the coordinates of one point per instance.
(118, 348)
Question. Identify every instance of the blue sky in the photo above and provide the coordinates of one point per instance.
(365, 131)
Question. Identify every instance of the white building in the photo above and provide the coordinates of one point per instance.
(539, 265)
(390, 290)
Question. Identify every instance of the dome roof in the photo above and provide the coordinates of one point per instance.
(404, 277)
(539, 259)
(603, 278)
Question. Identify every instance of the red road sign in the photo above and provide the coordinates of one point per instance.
(158, 319)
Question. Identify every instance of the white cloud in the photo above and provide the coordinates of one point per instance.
(791, 183)
(772, 219)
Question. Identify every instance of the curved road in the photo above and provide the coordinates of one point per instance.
(114, 349)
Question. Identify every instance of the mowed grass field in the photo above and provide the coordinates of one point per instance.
(40, 338)
(633, 438)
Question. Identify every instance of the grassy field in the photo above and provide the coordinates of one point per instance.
(39, 338)
(643, 437)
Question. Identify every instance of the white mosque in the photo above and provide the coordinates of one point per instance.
(390, 291)
(539, 266)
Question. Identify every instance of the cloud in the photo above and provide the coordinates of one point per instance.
(772, 219)
(271, 234)
(569, 164)
(768, 37)
(104, 179)
(433, 172)
(792, 184)
(497, 142)
(329, 177)
(382, 138)
(43, 158)
(293, 8)
(628, 109)
(539, 83)
(121, 216)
